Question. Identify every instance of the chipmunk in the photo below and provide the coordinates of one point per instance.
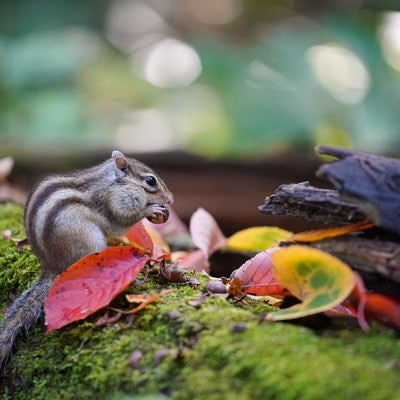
(69, 216)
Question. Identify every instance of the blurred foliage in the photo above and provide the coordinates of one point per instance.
(64, 85)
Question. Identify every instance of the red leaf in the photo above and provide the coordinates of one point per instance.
(91, 284)
(206, 234)
(139, 237)
(257, 275)
(375, 306)
(144, 236)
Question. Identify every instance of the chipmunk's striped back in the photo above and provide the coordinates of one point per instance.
(51, 197)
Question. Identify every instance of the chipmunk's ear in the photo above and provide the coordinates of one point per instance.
(120, 160)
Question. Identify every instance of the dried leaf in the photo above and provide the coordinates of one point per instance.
(160, 246)
(136, 298)
(317, 278)
(143, 235)
(172, 273)
(91, 284)
(257, 276)
(206, 234)
(372, 306)
(194, 260)
(235, 287)
(320, 234)
(150, 299)
(257, 238)
(139, 237)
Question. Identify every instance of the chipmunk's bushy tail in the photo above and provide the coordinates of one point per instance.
(21, 315)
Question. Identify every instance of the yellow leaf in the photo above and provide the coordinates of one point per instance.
(318, 279)
(257, 238)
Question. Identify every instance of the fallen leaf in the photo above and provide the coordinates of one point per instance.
(318, 279)
(235, 287)
(206, 234)
(257, 276)
(91, 283)
(257, 238)
(320, 234)
(139, 237)
(150, 299)
(195, 260)
(160, 246)
(172, 272)
(136, 298)
(372, 306)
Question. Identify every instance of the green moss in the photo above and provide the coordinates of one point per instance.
(17, 268)
(218, 350)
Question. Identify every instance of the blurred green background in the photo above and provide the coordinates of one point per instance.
(226, 78)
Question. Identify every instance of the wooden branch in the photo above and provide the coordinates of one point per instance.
(379, 255)
(370, 185)
(301, 200)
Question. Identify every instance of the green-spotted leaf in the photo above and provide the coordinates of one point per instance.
(257, 238)
(318, 279)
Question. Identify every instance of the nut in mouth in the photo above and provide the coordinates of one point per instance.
(160, 214)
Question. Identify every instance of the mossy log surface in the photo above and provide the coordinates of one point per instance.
(218, 350)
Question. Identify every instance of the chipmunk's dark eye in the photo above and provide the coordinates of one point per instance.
(151, 180)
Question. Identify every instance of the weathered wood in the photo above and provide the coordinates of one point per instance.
(368, 187)
(301, 200)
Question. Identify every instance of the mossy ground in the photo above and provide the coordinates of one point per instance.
(219, 350)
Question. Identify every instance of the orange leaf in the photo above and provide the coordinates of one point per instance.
(320, 234)
(139, 237)
(91, 283)
(143, 236)
(143, 303)
(160, 246)
(235, 287)
(136, 298)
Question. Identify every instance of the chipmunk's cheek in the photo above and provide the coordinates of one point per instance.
(159, 215)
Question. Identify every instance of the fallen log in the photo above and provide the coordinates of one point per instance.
(365, 189)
